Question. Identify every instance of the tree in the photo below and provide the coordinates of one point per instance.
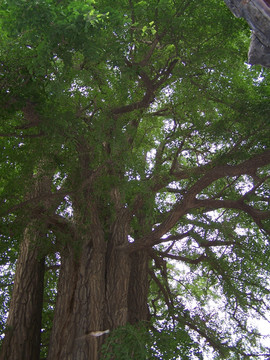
(145, 137)
(25, 313)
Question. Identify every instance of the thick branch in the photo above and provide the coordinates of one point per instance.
(183, 258)
(61, 224)
(150, 85)
(150, 52)
(256, 214)
(247, 167)
(203, 332)
(33, 120)
(190, 202)
(170, 238)
(144, 103)
(34, 202)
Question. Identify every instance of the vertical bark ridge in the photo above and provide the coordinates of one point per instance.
(22, 339)
(138, 288)
(63, 331)
(81, 297)
(118, 273)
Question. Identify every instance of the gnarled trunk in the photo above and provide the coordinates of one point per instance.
(96, 289)
(23, 328)
(81, 294)
(22, 338)
(80, 305)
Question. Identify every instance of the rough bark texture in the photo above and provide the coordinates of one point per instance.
(79, 308)
(90, 299)
(257, 14)
(22, 339)
(138, 288)
(96, 288)
(81, 298)
(118, 272)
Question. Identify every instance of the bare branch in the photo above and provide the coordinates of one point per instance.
(246, 167)
(256, 214)
(190, 202)
(183, 258)
(254, 188)
(214, 342)
(53, 267)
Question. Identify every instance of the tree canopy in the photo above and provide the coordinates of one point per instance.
(135, 153)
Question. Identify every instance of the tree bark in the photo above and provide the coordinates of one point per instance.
(96, 289)
(138, 288)
(22, 339)
(118, 272)
(80, 306)
(81, 297)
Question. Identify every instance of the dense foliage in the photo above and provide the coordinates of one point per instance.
(149, 109)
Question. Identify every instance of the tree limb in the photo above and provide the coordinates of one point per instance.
(183, 258)
(190, 202)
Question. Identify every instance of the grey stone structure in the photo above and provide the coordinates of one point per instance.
(257, 14)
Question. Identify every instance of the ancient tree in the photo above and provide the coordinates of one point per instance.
(134, 181)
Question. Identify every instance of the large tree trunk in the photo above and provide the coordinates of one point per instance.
(22, 339)
(118, 273)
(23, 329)
(94, 289)
(138, 288)
(81, 297)
(100, 287)
(80, 306)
